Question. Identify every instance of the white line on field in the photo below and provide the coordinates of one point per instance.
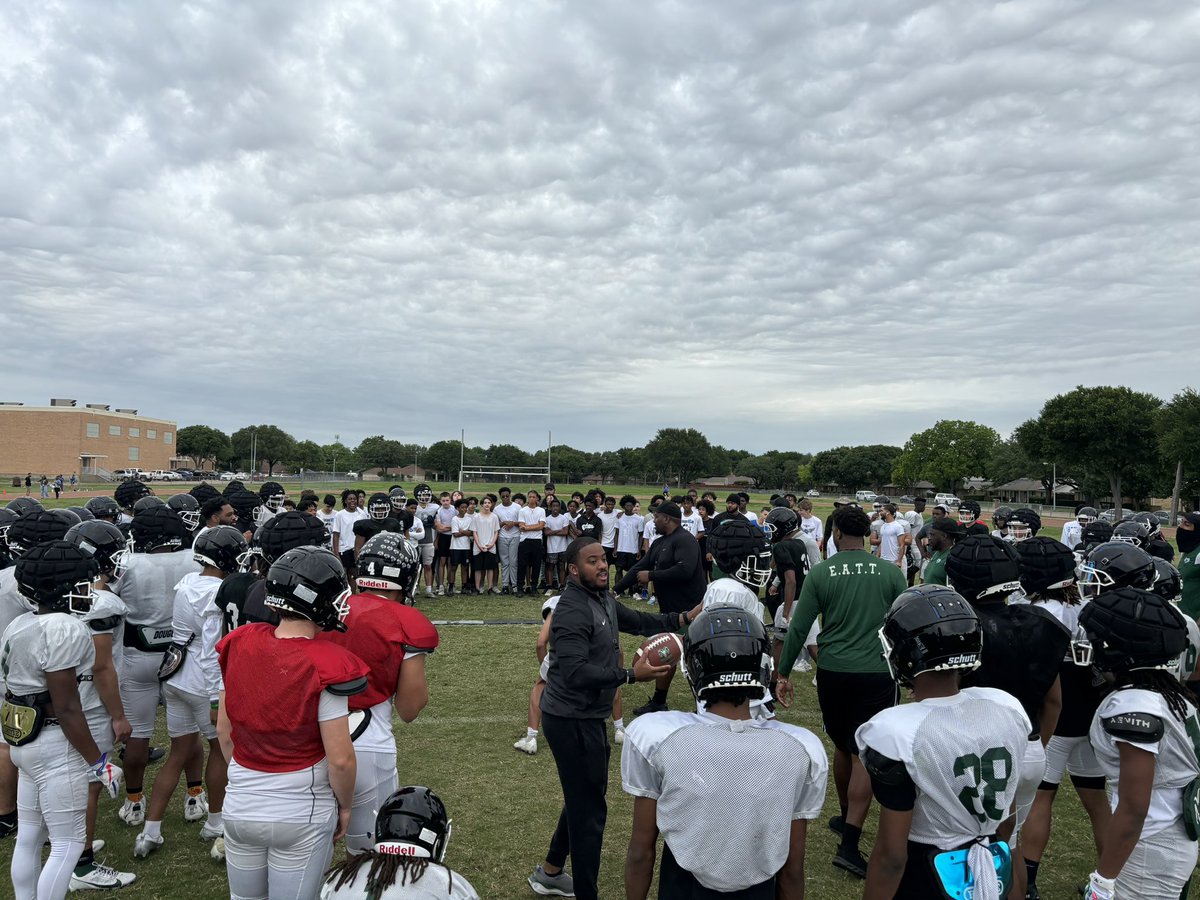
(463, 720)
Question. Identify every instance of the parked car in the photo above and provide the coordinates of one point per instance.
(907, 499)
(1107, 515)
(184, 474)
(948, 500)
(126, 474)
(228, 476)
(242, 476)
(865, 496)
(164, 475)
(352, 476)
(813, 493)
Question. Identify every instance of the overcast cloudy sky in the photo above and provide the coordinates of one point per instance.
(791, 225)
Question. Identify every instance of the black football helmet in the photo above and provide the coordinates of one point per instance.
(204, 492)
(1130, 629)
(1153, 526)
(1114, 565)
(28, 531)
(247, 505)
(282, 533)
(780, 522)
(156, 527)
(1168, 582)
(1133, 532)
(398, 499)
(272, 495)
(379, 506)
(1023, 524)
(220, 547)
(1000, 517)
(129, 492)
(7, 517)
(968, 512)
(104, 508)
(1095, 533)
(233, 487)
(65, 515)
(741, 549)
(388, 562)
(1086, 515)
(726, 647)
(58, 575)
(187, 508)
(85, 514)
(981, 566)
(310, 582)
(414, 815)
(423, 493)
(147, 502)
(930, 628)
(23, 506)
(104, 541)
(1046, 564)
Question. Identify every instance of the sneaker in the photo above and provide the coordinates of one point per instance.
(497, 591)
(428, 591)
(836, 824)
(527, 744)
(217, 850)
(208, 833)
(1032, 893)
(651, 600)
(618, 735)
(131, 813)
(441, 591)
(802, 665)
(156, 753)
(100, 878)
(8, 829)
(560, 885)
(144, 845)
(504, 590)
(850, 860)
(643, 595)
(195, 808)
(650, 706)
(549, 593)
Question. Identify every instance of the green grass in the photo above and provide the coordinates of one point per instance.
(504, 803)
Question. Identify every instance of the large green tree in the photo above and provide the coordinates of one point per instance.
(774, 469)
(263, 443)
(383, 453)
(1107, 431)
(856, 467)
(308, 455)
(441, 460)
(208, 446)
(1179, 441)
(679, 453)
(945, 454)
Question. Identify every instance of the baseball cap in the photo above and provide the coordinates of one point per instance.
(843, 501)
(670, 510)
(942, 507)
(949, 526)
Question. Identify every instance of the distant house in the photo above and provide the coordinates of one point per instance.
(918, 489)
(722, 481)
(408, 473)
(1030, 490)
(597, 478)
(976, 485)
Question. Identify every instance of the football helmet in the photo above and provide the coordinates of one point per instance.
(980, 566)
(423, 493)
(930, 628)
(310, 582)
(147, 502)
(1086, 515)
(1097, 532)
(1000, 517)
(415, 816)
(233, 487)
(379, 506)
(272, 495)
(29, 531)
(85, 514)
(1130, 629)
(247, 505)
(1046, 564)
(66, 516)
(741, 549)
(1023, 524)
(104, 541)
(285, 532)
(726, 647)
(968, 512)
(156, 527)
(1168, 582)
(1153, 526)
(104, 508)
(187, 508)
(1114, 565)
(23, 506)
(219, 547)
(7, 517)
(398, 499)
(388, 562)
(780, 522)
(204, 492)
(58, 575)
(129, 492)
(1133, 532)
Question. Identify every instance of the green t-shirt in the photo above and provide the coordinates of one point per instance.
(1189, 571)
(935, 569)
(851, 592)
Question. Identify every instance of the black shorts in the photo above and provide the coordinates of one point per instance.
(443, 546)
(487, 561)
(677, 883)
(610, 553)
(848, 699)
(347, 558)
(460, 557)
(626, 561)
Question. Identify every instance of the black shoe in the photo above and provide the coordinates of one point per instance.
(837, 823)
(650, 706)
(1032, 893)
(156, 753)
(850, 860)
(8, 829)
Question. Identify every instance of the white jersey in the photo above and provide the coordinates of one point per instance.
(702, 768)
(1072, 534)
(437, 883)
(1142, 719)
(147, 586)
(196, 613)
(963, 754)
(813, 527)
(694, 523)
(36, 644)
(12, 604)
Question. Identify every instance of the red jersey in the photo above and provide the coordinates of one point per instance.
(380, 632)
(272, 694)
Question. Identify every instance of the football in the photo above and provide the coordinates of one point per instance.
(665, 649)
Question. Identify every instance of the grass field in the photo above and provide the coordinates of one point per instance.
(504, 803)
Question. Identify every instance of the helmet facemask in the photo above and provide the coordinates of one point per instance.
(1093, 581)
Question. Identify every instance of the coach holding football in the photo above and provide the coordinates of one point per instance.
(584, 675)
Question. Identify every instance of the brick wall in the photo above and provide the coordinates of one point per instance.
(50, 440)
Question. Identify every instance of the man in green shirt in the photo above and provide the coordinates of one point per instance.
(1188, 539)
(943, 535)
(852, 592)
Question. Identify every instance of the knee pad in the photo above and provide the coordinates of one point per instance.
(1087, 782)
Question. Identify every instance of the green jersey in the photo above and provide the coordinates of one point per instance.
(935, 569)
(851, 592)
(1189, 571)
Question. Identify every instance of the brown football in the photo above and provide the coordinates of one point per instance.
(665, 649)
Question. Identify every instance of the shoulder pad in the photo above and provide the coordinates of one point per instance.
(420, 635)
(885, 770)
(107, 623)
(348, 688)
(1135, 727)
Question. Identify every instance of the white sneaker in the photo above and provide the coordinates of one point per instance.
(217, 850)
(527, 744)
(144, 845)
(441, 591)
(428, 591)
(101, 878)
(195, 808)
(208, 833)
(132, 814)
(802, 665)
(618, 735)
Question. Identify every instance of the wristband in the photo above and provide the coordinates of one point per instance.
(215, 704)
(630, 677)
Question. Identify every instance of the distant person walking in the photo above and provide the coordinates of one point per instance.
(45, 483)
(28, 482)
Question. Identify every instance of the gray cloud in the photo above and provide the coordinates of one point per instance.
(790, 225)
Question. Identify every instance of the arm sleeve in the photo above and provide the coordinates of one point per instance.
(685, 559)
(631, 621)
(569, 635)
(331, 706)
(803, 616)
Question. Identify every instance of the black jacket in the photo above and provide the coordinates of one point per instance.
(675, 568)
(585, 669)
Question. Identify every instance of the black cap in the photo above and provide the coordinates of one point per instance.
(948, 525)
(670, 510)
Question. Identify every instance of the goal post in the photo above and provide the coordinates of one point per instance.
(510, 475)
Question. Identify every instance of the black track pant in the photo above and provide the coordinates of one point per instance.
(529, 559)
(580, 748)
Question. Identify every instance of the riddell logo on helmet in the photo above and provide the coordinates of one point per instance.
(393, 849)
(374, 583)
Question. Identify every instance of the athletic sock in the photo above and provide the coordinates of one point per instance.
(153, 829)
(1031, 868)
(530, 732)
(851, 835)
(214, 820)
(619, 723)
(86, 861)
(660, 696)
(134, 796)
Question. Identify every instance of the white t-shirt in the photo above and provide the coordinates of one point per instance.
(531, 515)
(813, 527)
(649, 531)
(457, 524)
(752, 516)
(889, 540)
(196, 613)
(557, 543)
(1072, 534)
(609, 521)
(343, 526)
(629, 529)
(693, 523)
(486, 527)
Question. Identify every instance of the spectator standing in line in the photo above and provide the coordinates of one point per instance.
(485, 532)
(692, 521)
(510, 537)
(588, 523)
(629, 536)
(326, 513)
(45, 483)
(441, 554)
(460, 545)
(809, 523)
(531, 521)
(743, 503)
(343, 529)
(558, 530)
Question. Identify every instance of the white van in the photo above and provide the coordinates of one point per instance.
(947, 500)
(865, 496)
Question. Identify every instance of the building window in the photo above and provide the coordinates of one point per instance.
(134, 454)
(135, 432)
(114, 430)
(93, 429)
(166, 437)
(151, 434)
